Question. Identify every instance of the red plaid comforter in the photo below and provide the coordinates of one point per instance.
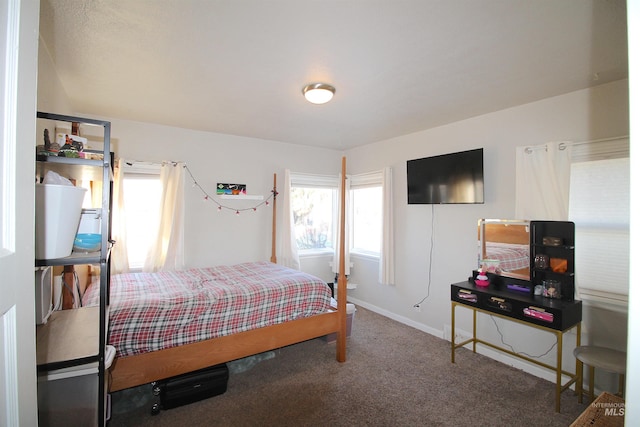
(153, 311)
(511, 256)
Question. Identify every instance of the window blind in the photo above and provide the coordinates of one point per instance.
(313, 181)
(599, 206)
(364, 180)
(610, 148)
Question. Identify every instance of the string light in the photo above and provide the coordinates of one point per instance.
(220, 206)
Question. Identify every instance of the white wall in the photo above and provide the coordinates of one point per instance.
(51, 95)
(578, 116)
(213, 237)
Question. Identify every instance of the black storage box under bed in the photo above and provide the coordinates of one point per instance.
(191, 387)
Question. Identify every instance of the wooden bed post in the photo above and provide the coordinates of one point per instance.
(341, 341)
(273, 223)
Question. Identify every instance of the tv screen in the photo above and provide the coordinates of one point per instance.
(449, 178)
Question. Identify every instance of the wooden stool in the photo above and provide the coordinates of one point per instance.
(602, 358)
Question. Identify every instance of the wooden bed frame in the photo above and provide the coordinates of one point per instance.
(131, 371)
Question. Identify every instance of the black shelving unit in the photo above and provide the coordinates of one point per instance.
(554, 240)
(71, 347)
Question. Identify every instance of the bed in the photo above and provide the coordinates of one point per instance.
(220, 323)
(503, 246)
(155, 311)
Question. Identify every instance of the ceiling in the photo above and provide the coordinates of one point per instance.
(238, 66)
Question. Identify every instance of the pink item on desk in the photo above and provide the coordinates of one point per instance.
(482, 279)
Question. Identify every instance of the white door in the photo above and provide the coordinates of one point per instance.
(18, 71)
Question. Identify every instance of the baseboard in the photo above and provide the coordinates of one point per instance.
(480, 349)
(405, 320)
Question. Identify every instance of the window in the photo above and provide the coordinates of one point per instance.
(594, 177)
(142, 191)
(314, 202)
(599, 206)
(366, 215)
(369, 217)
(313, 217)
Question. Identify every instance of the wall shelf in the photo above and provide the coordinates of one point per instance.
(240, 197)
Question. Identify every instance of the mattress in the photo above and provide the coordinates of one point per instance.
(154, 311)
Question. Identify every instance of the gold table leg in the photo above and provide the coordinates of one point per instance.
(579, 368)
(592, 372)
(453, 332)
(559, 371)
(474, 331)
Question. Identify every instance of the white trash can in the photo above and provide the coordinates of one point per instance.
(351, 312)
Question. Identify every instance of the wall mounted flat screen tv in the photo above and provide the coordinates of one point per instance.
(446, 179)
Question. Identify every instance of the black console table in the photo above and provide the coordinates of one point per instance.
(551, 315)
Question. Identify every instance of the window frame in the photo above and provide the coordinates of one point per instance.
(139, 170)
(358, 182)
(354, 182)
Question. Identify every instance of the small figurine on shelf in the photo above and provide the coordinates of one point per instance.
(481, 278)
(48, 148)
(47, 140)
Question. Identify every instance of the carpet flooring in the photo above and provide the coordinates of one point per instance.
(395, 375)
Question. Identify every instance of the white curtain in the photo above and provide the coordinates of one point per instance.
(119, 254)
(387, 251)
(167, 251)
(337, 227)
(542, 181)
(288, 248)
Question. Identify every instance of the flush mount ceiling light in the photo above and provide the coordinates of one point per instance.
(318, 93)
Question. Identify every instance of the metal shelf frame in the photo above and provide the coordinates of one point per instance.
(98, 170)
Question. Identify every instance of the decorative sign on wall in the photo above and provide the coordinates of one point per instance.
(231, 189)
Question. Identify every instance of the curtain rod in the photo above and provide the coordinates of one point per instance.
(562, 145)
(565, 144)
